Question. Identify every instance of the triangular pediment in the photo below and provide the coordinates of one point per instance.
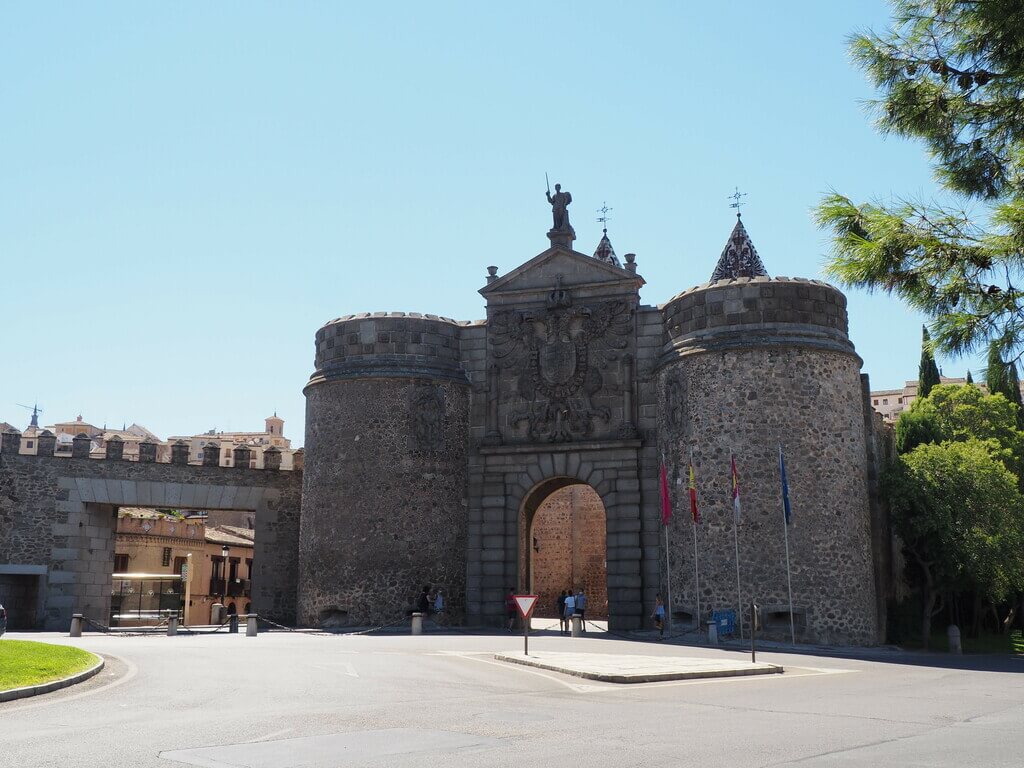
(572, 268)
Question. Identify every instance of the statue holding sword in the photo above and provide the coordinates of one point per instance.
(559, 208)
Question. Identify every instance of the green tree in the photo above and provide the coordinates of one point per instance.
(951, 74)
(917, 425)
(927, 371)
(958, 512)
(970, 379)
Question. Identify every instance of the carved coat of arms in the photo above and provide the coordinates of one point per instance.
(553, 349)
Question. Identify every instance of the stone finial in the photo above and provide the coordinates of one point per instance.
(631, 262)
(492, 274)
(298, 460)
(241, 456)
(46, 443)
(211, 454)
(10, 443)
(147, 452)
(604, 251)
(81, 444)
(739, 258)
(115, 448)
(179, 452)
(272, 458)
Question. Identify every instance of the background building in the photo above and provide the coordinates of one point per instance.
(892, 402)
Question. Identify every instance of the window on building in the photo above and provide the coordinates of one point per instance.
(120, 563)
(885, 401)
(165, 560)
(876, 401)
(29, 444)
(233, 571)
(217, 562)
(199, 455)
(248, 567)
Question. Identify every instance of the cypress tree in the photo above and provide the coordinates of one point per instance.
(1013, 385)
(996, 373)
(970, 379)
(927, 372)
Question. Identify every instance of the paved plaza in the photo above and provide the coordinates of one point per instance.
(284, 700)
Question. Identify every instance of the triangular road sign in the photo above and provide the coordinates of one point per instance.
(525, 604)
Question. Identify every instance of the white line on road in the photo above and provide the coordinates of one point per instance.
(270, 736)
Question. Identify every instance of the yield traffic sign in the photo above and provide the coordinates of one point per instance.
(525, 603)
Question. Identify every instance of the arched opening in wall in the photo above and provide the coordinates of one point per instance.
(564, 546)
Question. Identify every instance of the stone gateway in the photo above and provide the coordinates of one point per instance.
(522, 452)
(433, 445)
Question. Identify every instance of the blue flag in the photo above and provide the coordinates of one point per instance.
(786, 510)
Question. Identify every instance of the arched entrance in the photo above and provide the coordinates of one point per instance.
(563, 535)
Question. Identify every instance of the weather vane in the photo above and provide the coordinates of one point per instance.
(604, 217)
(737, 199)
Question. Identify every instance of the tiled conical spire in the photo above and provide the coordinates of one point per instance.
(739, 259)
(605, 252)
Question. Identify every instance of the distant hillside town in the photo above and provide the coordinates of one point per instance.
(890, 403)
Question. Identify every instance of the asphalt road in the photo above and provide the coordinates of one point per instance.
(286, 700)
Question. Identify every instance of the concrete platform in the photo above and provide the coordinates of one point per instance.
(611, 668)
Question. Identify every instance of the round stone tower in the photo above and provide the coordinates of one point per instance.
(384, 488)
(751, 364)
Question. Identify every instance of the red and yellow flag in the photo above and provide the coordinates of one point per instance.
(694, 512)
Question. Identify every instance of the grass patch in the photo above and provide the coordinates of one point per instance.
(24, 662)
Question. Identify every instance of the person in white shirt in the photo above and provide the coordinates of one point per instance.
(570, 607)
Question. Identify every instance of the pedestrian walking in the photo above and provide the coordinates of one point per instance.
(659, 616)
(581, 609)
(423, 601)
(510, 609)
(562, 626)
(570, 608)
(438, 603)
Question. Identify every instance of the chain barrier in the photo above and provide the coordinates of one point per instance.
(191, 631)
(104, 629)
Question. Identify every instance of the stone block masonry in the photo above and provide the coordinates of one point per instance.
(60, 514)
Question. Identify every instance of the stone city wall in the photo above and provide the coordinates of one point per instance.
(384, 501)
(59, 514)
(747, 389)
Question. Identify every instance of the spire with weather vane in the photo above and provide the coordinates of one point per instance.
(604, 251)
(739, 258)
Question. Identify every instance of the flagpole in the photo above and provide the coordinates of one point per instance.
(668, 568)
(696, 576)
(739, 598)
(789, 577)
(736, 544)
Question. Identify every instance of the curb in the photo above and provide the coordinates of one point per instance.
(53, 685)
(772, 669)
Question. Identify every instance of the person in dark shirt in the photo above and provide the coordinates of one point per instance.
(562, 624)
(423, 601)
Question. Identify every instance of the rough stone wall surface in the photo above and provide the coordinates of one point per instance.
(384, 502)
(749, 401)
(568, 542)
(60, 513)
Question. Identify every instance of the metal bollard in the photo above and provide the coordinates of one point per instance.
(417, 624)
(233, 623)
(250, 625)
(953, 633)
(713, 632)
(76, 625)
(577, 626)
(172, 626)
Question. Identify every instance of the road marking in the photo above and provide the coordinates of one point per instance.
(270, 736)
(350, 670)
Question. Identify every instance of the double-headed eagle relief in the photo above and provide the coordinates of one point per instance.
(559, 352)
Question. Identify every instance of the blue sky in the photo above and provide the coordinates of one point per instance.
(188, 191)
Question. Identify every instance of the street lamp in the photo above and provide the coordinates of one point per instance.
(224, 553)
